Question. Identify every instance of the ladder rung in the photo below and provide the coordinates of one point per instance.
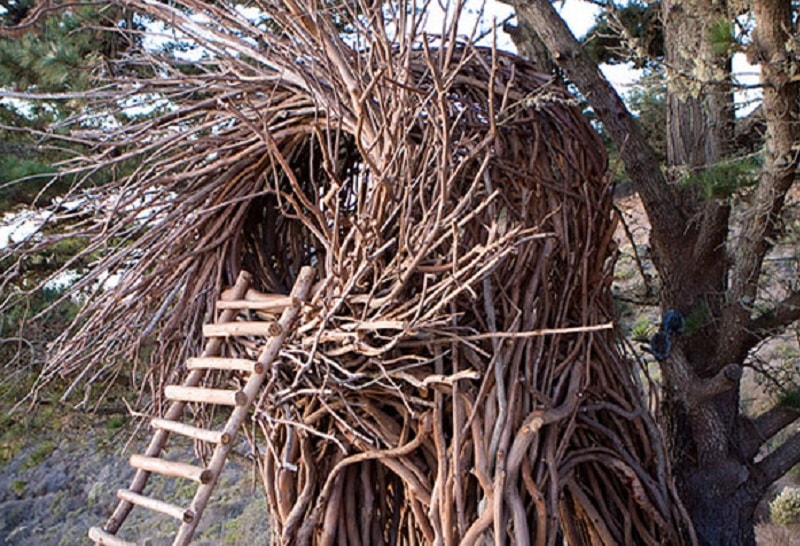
(217, 363)
(184, 515)
(171, 468)
(267, 302)
(251, 328)
(99, 536)
(222, 397)
(196, 433)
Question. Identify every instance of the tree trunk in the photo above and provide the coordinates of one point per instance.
(712, 446)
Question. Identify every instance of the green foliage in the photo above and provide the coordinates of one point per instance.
(794, 473)
(18, 487)
(785, 508)
(116, 422)
(790, 399)
(58, 316)
(722, 38)
(65, 53)
(40, 454)
(643, 329)
(725, 179)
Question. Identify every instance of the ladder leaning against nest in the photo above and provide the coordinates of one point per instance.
(190, 391)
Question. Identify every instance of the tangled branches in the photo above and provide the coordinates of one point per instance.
(455, 375)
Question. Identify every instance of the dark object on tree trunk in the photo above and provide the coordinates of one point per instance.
(660, 345)
(672, 322)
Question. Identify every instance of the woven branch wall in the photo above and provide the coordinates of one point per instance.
(455, 373)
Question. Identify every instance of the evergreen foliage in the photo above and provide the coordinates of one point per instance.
(64, 55)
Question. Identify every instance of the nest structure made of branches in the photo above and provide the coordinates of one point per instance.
(456, 374)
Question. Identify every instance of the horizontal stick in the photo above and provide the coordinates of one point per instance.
(221, 397)
(255, 328)
(251, 294)
(272, 303)
(171, 468)
(186, 516)
(99, 536)
(196, 433)
(218, 363)
(531, 333)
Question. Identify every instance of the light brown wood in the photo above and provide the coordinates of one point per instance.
(175, 409)
(254, 328)
(99, 536)
(254, 295)
(268, 354)
(196, 433)
(221, 397)
(171, 468)
(218, 363)
(186, 516)
(271, 303)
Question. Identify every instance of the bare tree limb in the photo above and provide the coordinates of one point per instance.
(782, 315)
(777, 463)
(703, 390)
(762, 428)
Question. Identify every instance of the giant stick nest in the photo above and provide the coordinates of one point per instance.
(455, 372)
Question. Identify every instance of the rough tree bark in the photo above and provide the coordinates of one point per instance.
(701, 266)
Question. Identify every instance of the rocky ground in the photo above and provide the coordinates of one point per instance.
(54, 489)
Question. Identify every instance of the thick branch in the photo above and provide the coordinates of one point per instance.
(777, 463)
(772, 421)
(641, 162)
(762, 428)
(697, 396)
(774, 320)
(702, 390)
(693, 390)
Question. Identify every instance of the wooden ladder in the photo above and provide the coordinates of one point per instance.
(235, 299)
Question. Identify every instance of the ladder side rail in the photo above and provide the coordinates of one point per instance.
(270, 351)
(175, 409)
